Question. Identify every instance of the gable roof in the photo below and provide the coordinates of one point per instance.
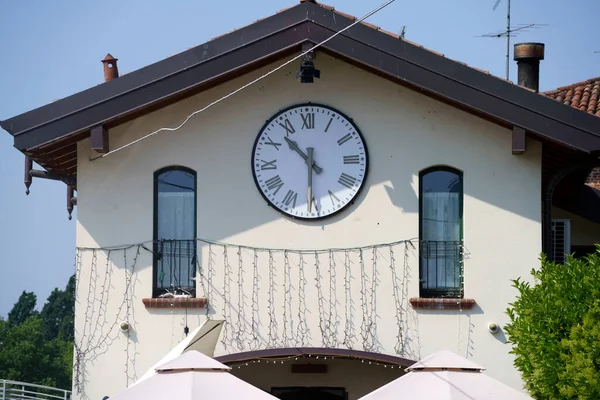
(584, 96)
(49, 134)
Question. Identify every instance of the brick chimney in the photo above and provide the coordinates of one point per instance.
(528, 56)
(110, 68)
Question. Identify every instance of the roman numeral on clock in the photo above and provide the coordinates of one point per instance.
(274, 183)
(268, 165)
(287, 125)
(270, 142)
(333, 197)
(328, 125)
(344, 139)
(290, 197)
(308, 121)
(347, 180)
(351, 159)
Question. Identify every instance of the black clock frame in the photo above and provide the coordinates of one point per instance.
(338, 112)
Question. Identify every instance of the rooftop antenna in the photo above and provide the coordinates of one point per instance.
(403, 32)
(509, 32)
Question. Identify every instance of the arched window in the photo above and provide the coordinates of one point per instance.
(174, 231)
(440, 232)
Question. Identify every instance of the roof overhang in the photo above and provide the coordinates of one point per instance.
(49, 133)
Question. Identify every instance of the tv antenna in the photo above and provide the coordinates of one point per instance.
(403, 32)
(509, 32)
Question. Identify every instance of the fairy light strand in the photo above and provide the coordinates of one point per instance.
(312, 358)
(270, 304)
(287, 293)
(87, 350)
(320, 300)
(303, 327)
(255, 313)
(332, 318)
(397, 301)
(226, 297)
(348, 325)
(240, 331)
(372, 315)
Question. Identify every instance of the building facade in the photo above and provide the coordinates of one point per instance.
(342, 229)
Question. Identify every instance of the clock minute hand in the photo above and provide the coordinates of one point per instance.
(310, 162)
(294, 146)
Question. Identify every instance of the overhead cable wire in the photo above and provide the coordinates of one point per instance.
(387, 3)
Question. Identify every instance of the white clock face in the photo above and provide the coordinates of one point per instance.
(309, 161)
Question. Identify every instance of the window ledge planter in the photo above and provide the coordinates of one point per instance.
(199, 302)
(441, 304)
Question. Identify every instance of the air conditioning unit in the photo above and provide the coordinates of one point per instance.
(561, 239)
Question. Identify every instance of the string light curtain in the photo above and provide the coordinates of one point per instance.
(354, 298)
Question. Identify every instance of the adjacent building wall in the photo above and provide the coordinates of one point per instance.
(583, 231)
(405, 132)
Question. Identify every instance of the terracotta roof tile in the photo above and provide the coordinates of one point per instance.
(584, 96)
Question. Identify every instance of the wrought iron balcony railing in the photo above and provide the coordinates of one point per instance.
(175, 267)
(441, 268)
(15, 390)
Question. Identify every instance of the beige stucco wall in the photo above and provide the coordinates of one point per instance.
(405, 133)
(583, 231)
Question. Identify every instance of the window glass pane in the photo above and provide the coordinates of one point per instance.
(441, 206)
(176, 209)
(176, 222)
(441, 197)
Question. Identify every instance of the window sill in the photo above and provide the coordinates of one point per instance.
(442, 304)
(199, 302)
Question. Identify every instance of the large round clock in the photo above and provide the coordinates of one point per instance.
(309, 161)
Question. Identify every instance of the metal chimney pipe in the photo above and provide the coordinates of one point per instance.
(528, 56)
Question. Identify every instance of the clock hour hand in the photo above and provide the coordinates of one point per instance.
(294, 146)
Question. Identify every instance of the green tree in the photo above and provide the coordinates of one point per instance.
(58, 312)
(38, 347)
(3, 330)
(23, 308)
(555, 329)
(27, 356)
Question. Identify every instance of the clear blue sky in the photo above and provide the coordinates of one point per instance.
(52, 49)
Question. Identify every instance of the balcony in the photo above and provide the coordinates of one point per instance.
(175, 268)
(441, 269)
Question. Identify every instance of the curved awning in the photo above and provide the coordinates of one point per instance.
(313, 351)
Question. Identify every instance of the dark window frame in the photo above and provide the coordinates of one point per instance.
(156, 291)
(440, 293)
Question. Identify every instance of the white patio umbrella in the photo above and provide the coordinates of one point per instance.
(204, 339)
(193, 375)
(445, 376)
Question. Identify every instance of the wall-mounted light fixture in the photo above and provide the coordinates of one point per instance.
(307, 72)
(493, 327)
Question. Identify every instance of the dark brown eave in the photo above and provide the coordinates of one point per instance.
(49, 134)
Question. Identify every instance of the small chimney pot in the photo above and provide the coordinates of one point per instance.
(528, 56)
(110, 68)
